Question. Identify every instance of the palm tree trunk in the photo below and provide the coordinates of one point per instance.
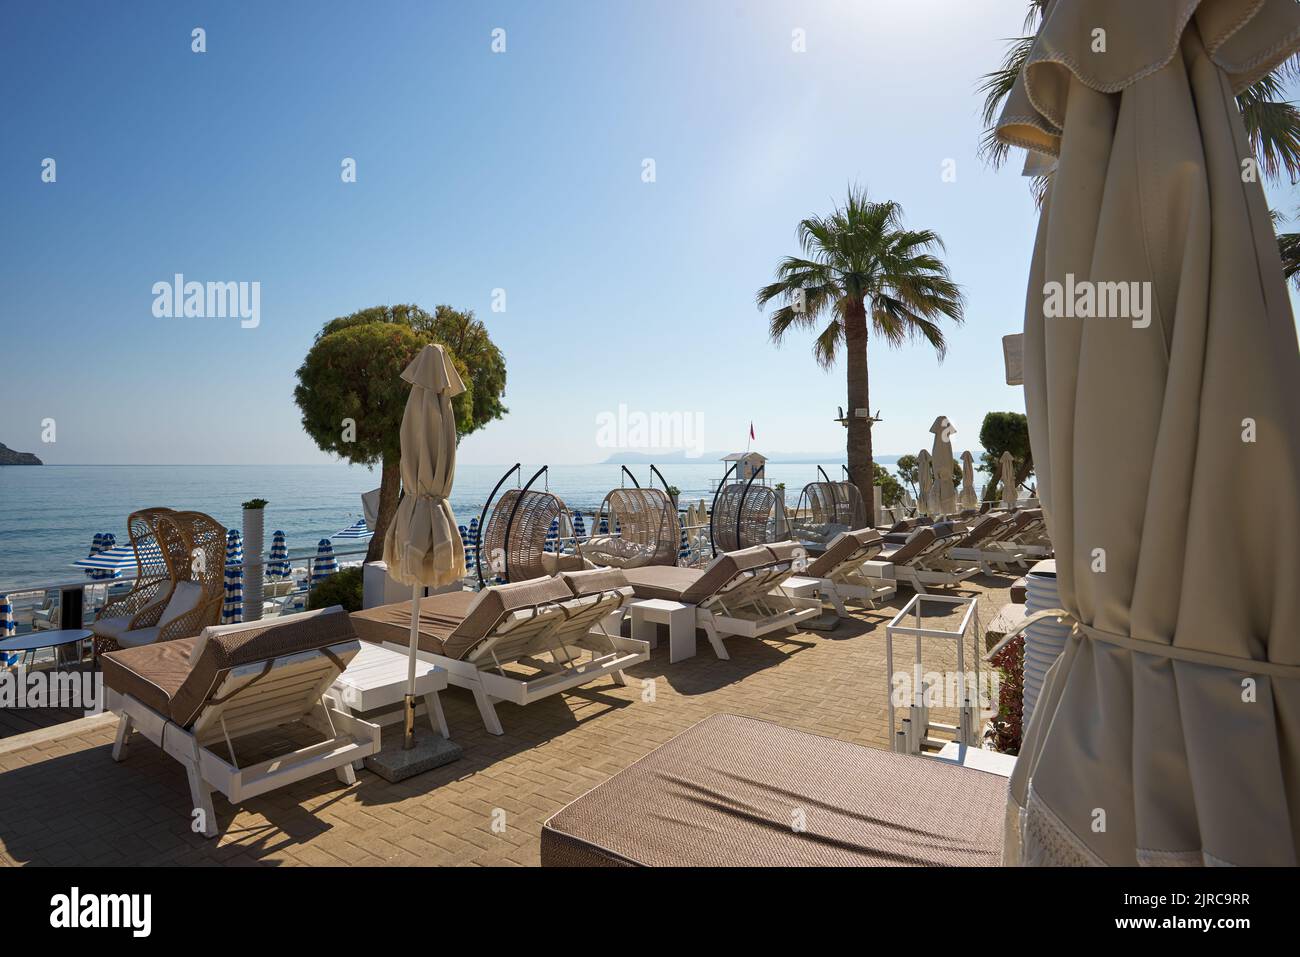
(861, 472)
(390, 485)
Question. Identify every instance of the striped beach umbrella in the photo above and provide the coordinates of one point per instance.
(325, 564)
(579, 526)
(684, 549)
(358, 529)
(118, 558)
(552, 536)
(7, 630)
(604, 525)
(464, 541)
(103, 542)
(277, 567)
(232, 608)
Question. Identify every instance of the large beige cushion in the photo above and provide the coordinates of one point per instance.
(185, 598)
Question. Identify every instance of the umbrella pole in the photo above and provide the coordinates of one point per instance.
(408, 741)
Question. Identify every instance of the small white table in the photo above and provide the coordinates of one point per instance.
(649, 613)
(376, 677)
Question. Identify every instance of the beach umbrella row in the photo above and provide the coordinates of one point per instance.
(232, 608)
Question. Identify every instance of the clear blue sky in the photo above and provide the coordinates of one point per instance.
(478, 171)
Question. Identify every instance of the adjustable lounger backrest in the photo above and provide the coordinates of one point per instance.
(526, 606)
(846, 551)
(985, 529)
(725, 572)
(263, 673)
(919, 541)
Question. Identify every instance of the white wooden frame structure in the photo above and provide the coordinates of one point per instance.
(914, 734)
(253, 697)
(580, 638)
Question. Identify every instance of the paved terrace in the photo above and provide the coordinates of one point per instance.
(64, 801)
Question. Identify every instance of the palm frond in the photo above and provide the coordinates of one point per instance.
(1273, 127)
(1288, 245)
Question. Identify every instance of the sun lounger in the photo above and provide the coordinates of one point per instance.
(984, 544)
(190, 696)
(922, 561)
(739, 593)
(841, 575)
(492, 642)
(737, 792)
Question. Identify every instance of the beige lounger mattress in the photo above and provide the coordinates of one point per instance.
(728, 792)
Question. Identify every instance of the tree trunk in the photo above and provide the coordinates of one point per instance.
(390, 485)
(861, 470)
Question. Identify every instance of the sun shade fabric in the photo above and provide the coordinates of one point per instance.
(1175, 708)
(422, 545)
(723, 794)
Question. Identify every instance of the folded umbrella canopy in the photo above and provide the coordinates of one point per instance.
(1169, 730)
(969, 498)
(422, 546)
(945, 492)
(925, 484)
(1007, 466)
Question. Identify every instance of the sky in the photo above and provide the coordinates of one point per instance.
(486, 179)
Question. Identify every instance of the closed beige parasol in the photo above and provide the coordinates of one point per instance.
(969, 498)
(1164, 418)
(945, 491)
(422, 546)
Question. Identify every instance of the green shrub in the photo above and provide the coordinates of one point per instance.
(341, 588)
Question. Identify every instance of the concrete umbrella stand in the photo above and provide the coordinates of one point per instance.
(254, 564)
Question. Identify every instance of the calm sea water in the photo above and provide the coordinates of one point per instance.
(49, 514)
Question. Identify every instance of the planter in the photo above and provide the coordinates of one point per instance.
(254, 562)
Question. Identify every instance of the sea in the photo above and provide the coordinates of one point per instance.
(49, 514)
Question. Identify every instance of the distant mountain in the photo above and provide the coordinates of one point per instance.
(776, 458)
(9, 457)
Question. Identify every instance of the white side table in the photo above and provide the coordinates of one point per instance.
(377, 678)
(648, 613)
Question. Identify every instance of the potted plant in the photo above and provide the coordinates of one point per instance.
(254, 526)
(673, 493)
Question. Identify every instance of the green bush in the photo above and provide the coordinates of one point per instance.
(341, 588)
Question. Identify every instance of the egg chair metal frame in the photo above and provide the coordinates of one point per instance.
(517, 528)
(748, 522)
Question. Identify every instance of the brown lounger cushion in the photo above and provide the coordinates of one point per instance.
(691, 585)
(919, 540)
(161, 676)
(594, 582)
(864, 541)
(725, 793)
(453, 624)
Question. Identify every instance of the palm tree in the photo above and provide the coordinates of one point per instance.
(1272, 123)
(859, 263)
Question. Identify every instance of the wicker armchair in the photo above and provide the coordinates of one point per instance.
(170, 548)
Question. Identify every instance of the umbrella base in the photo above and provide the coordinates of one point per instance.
(395, 763)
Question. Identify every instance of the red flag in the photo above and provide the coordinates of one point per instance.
(751, 430)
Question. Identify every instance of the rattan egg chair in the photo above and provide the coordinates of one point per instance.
(649, 532)
(513, 544)
(827, 508)
(744, 514)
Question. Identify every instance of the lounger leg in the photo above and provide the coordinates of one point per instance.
(715, 640)
(201, 798)
(619, 678)
(489, 713)
(123, 737)
(437, 720)
(346, 773)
